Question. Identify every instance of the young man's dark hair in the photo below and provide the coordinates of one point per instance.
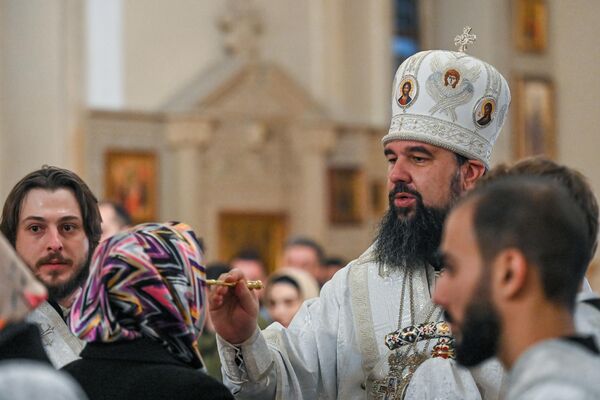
(334, 262)
(52, 178)
(538, 217)
(249, 255)
(575, 183)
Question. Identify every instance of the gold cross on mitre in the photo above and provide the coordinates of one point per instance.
(462, 41)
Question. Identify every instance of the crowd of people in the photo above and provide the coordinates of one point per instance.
(473, 288)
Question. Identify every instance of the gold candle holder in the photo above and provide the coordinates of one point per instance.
(249, 284)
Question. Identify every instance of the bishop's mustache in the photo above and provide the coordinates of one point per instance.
(401, 187)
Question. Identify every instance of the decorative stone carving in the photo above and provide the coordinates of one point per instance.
(242, 27)
(184, 133)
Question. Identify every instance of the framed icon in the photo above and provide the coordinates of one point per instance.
(534, 132)
(531, 30)
(131, 180)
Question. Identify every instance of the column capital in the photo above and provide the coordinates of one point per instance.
(190, 133)
(314, 139)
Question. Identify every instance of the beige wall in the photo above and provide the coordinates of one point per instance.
(40, 86)
(576, 57)
(165, 44)
(338, 50)
(168, 43)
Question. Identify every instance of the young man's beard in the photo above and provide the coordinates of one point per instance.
(480, 332)
(62, 291)
(411, 241)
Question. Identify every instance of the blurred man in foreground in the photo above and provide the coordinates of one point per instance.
(514, 255)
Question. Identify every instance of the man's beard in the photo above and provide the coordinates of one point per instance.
(57, 292)
(405, 241)
(480, 332)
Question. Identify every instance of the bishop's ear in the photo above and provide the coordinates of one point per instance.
(471, 171)
(509, 273)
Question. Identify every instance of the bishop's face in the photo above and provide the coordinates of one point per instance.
(419, 171)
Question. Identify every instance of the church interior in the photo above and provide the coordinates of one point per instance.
(257, 120)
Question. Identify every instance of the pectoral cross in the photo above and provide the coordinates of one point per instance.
(388, 390)
(462, 41)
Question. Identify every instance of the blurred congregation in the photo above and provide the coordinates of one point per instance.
(258, 199)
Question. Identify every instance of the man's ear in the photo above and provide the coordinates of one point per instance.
(471, 171)
(509, 273)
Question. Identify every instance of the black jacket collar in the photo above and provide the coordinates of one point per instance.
(140, 350)
(22, 340)
(586, 341)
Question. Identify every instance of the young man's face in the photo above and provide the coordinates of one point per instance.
(462, 272)
(463, 290)
(422, 169)
(51, 240)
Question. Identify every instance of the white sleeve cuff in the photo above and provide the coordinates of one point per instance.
(249, 360)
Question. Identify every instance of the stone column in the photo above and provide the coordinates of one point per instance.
(189, 140)
(308, 189)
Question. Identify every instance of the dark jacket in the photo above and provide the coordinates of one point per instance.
(22, 340)
(140, 369)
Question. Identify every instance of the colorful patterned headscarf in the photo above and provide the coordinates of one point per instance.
(20, 292)
(149, 282)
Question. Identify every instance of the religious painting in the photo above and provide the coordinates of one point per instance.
(131, 180)
(485, 111)
(346, 196)
(531, 28)
(534, 132)
(264, 233)
(407, 91)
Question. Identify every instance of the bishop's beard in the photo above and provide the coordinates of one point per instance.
(408, 239)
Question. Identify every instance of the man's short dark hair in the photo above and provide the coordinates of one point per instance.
(248, 255)
(538, 217)
(123, 217)
(575, 183)
(306, 242)
(460, 159)
(52, 178)
(334, 262)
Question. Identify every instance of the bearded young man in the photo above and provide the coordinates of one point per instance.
(337, 345)
(51, 217)
(587, 309)
(515, 253)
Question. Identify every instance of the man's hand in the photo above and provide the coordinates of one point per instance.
(233, 310)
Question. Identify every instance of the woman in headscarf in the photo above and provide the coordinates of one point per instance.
(287, 288)
(25, 370)
(141, 312)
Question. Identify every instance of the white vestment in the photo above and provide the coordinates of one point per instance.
(429, 382)
(334, 348)
(555, 369)
(587, 316)
(60, 344)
